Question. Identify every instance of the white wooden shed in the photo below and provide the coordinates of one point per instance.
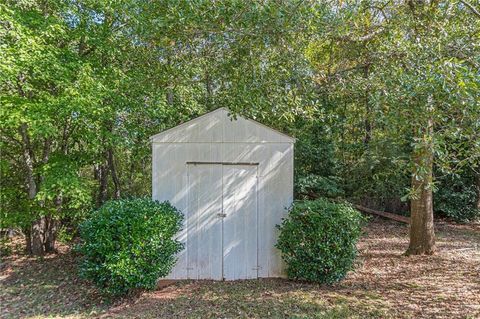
(233, 180)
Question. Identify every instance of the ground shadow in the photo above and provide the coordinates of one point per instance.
(384, 284)
(48, 286)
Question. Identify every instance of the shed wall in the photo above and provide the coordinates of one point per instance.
(218, 127)
(275, 180)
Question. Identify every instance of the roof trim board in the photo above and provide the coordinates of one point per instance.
(183, 125)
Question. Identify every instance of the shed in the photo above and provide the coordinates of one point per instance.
(233, 181)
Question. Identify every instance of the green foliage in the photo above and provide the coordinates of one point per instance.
(318, 240)
(385, 70)
(314, 149)
(128, 244)
(456, 198)
(5, 248)
(89, 83)
(66, 235)
(318, 186)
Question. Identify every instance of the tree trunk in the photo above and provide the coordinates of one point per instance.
(422, 234)
(50, 236)
(28, 160)
(116, 181)
(34, 235)
(37, 237)
(477, 182)
(51, 227)
(208, 88)
(367, 122)
(101, 173)
(27, 231)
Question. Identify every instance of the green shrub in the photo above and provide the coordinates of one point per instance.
(128, 244)
(318, 186)
(318, 240)
(65, 234)
(456, 198)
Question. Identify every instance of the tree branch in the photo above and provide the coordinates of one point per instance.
(28, 161)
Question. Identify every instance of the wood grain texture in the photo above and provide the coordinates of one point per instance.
(217, 139)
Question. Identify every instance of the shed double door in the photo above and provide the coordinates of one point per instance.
(222, 222)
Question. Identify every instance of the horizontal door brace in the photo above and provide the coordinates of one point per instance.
(223, 163)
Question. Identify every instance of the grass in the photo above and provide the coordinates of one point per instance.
(384, 284)
(272, 298)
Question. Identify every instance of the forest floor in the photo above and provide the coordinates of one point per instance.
(384, 284)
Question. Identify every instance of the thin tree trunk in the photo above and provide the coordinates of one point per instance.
(34, 235)
(477, 182)
(28, 159)
(38, 233)
(170, 93)
(116, 181)
(51, 227)
(101, 173)
(27, 231)
(422, 234)
(46, 154)
(208, 88)
(50, 236)
(367, 122)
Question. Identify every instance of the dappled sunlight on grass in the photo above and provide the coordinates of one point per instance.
(384, 284)
(46, 287)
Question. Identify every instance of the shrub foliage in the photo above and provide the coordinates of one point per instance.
(456, 198)
(129, 244)
(318, 240)
(318, 186)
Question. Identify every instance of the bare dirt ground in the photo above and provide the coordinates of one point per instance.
(384, 284)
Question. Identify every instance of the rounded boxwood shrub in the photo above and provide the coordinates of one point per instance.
(128, 244)
(318, 240)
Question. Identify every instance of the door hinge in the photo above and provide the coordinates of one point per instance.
(257, 268)
(222, 215)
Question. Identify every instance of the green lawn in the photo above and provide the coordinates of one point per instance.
(384, 284)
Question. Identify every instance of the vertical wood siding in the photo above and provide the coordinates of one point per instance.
(195, 190)
(240, 223)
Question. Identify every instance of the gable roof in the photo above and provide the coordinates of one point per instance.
(217, 127)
